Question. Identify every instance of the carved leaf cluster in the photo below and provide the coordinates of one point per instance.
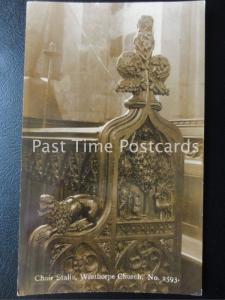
(139, 69)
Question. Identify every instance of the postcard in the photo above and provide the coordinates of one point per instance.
(112, 148)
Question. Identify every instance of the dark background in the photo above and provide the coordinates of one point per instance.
(12, 28)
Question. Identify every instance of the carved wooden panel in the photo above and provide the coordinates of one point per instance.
(146, 180)
(119, 224)
(72, 171)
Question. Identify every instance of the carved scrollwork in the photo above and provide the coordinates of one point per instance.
(82, 259)
(142, 259)
(78, 261)
(85, 260)
(56, 251)
(121, 246)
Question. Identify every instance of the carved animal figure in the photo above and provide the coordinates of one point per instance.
(79, 212)
(164, 204)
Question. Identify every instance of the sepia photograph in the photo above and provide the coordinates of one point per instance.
(112, 148)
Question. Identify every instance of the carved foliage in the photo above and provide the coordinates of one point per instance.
(143, 259)
(121, 246)
(56, 251)
(137, 260)
(74, 172)
(139, 68)
(71, 172)
(78, 261)
(89, 175)
(146, 179)
(145, 196)
(83, 260)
